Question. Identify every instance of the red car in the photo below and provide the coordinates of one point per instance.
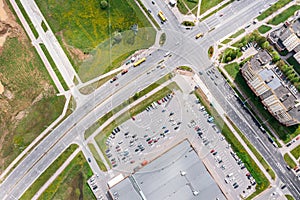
(212, 151)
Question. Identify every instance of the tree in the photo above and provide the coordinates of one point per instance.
(275, 56)
(265, 45)
(103, 4)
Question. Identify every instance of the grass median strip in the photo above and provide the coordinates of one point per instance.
(261, 180)
(101, 137)
(34, 188)
(72, 182)
(97, 157)
(289, 160)
(54, 67)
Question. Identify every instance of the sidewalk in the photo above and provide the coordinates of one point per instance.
(56, 174)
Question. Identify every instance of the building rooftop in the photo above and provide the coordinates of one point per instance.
(274, 93)
(163, 179)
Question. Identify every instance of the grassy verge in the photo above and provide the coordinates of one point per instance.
(232, 69)
(289, 160)
(208, 4)
(135, 97)
(226, 41)
(273, 9)
(34, 31)
(237, 33)
(103, 135)
(284, 15)
(296, 152)
(54, 67)
(261, 180)
(97, 157)
(254, 151)
(90, 88)
(72, 182)
(34, 188)
(213, 12)
(263, 29)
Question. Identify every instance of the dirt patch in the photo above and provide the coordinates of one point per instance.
(75, 53)
(8, 25)
(1, 88)
(3, 15)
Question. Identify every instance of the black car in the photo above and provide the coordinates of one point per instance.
(89, 159)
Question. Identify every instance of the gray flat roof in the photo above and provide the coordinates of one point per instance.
(162, 179)
(266, 74)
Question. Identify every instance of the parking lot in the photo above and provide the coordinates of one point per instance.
(167, 122)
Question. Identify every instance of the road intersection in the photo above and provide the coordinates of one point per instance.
(185, 51)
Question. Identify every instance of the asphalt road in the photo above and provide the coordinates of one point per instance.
(188, 50)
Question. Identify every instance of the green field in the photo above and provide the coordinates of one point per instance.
(105, 35)
(279, 4)
(226, 41)
(232, 69)
(296, 152)
(191, 3)
(289, 197)
(213, 12)
(71, 183)
(207, 4)
(263, 29)
(24, 78)
(289, 160)
(281, 17)
(38, 183)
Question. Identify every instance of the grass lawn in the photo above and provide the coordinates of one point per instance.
(263, 29)
(281, 17)
(261, 180)
(289, 160)
(71, 183)
(106, 35)
(296, 152)
(273, 9)
(232, 69)
(191, 3)
(207, 4)
(103, 135)
(181, 7)
(97, 157)
(24, 78)
(44, 177)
